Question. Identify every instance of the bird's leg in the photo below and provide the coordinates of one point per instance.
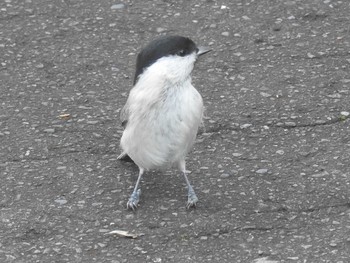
(135, 196)
(192, 198)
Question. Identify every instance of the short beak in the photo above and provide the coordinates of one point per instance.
(203, 50)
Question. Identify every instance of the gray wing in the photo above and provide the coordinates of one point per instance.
(124, 115)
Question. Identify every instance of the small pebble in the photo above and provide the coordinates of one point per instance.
(61, 201)
(160, 30)
(262, 171)
(117, 6)
(226, 34)
(92, 122)
(264, 259)
(266, 95)
(224, 175)
(49, 130)
(245, 126)
(280, 152)
(306, 246)
(290, 124)
(320, 174)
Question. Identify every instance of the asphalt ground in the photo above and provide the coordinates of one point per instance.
(270, 166)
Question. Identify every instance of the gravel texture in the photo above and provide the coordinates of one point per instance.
(270, 166)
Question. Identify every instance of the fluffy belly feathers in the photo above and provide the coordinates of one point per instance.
(162, 132)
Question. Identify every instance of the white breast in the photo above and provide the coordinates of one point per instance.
(163, 120)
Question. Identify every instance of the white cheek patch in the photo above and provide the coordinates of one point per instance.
(173, 68)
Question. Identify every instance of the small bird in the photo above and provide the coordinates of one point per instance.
(163, 111)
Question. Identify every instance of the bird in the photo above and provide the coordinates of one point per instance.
(163, 110)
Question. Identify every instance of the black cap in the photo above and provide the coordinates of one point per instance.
(161, 47)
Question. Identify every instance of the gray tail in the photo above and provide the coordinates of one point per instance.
(125, 157)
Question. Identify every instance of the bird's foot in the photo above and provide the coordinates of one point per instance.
(134, 200)
(192, 198)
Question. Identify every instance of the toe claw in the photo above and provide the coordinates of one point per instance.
(191, 204)
(133, 200)
(131, 205)
(192, 201)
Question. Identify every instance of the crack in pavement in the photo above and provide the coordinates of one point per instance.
(305, 210)
(251, 228)
(292, 125)
(283, 125)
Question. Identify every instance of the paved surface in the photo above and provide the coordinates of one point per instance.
(271, 168)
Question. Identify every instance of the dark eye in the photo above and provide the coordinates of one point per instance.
(181, 53)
